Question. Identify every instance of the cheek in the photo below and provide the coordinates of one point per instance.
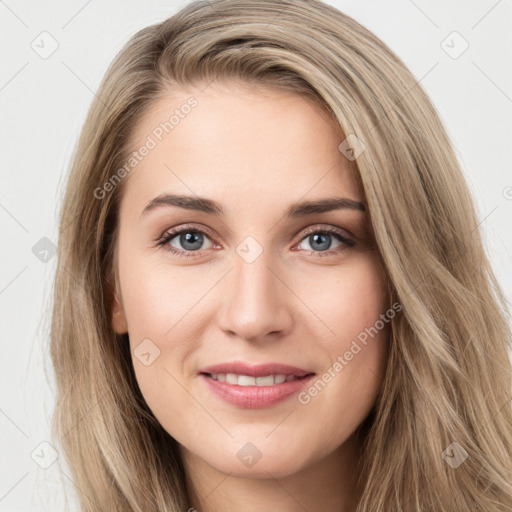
(356, 343)
(157, 297)
(159, 305)
(347, 300)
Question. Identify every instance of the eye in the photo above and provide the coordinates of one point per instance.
(320, 241)
(189, 238)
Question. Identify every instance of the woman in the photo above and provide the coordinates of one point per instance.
(209, 356)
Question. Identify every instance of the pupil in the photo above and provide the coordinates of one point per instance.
(326, 239)
(191, 238)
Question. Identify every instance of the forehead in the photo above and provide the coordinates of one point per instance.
(240, 144)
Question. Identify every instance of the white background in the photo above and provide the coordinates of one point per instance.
(43, 103)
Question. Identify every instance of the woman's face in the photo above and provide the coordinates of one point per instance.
(259, 278)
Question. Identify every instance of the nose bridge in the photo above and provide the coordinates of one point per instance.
(255, 301)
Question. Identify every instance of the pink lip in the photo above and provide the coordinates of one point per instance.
(255, 397)
(260, 370)
(252, 397)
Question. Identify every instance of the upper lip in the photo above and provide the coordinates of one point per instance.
(260, 370)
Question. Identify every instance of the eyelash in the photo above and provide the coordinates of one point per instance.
(169, 235)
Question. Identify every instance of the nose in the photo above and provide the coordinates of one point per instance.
(256, 301)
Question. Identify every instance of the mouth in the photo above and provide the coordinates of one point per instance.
(247, 370)
(249, 380)
(251, 392)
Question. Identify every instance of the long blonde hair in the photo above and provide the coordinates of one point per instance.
(446, 394)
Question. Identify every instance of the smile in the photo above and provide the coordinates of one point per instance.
(249, 392)
(247, 380)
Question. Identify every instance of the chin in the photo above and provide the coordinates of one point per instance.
(249, 462)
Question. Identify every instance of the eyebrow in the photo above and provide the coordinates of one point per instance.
(211, 207)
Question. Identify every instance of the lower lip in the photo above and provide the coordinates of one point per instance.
(255, 397)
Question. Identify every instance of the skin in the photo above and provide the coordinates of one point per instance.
(255, 151)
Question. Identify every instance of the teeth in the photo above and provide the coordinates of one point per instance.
(231, 378)
(269, 380)
(279, 379)
(246, 380)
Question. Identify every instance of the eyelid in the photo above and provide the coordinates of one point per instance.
(328, 229)
(183, 227)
